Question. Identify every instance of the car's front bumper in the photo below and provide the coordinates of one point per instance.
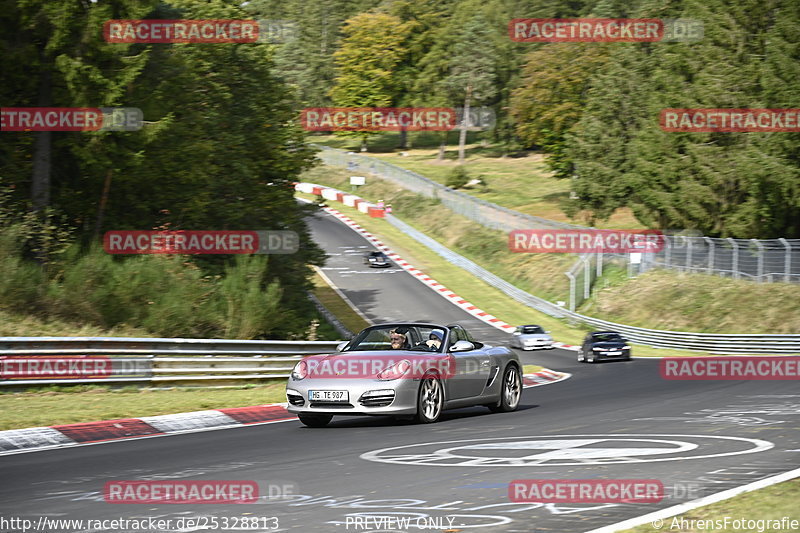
(537, 345)
(366, 396)
(609, 354)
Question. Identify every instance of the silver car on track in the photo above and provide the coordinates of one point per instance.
(407, 370)
(531, 337)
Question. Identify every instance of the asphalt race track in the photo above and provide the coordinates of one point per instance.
(616, 420)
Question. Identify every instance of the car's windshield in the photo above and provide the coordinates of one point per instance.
(532, 330)
(607, 337)
(403, 337)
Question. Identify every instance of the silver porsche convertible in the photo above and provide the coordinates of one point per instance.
(407, 370)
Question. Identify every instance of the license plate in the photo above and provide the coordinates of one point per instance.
(613, 353)
(328, 396)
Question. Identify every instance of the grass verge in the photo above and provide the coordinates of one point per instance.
(770, 503)
(88, 403)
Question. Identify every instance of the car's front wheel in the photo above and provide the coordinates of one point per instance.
(430, 399)
(591, 358)
(510, 391)
(315, 421)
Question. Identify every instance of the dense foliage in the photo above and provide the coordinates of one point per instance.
(219, 149)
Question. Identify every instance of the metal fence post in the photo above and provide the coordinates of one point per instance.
(710, 242)
(587, 276)
(760, 259)
(787, 261)
(735, 258)
(599, 270)
(571, 290)
(689, 254)
(667, 251)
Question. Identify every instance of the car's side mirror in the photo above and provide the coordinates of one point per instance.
(462, 346)
(341, 345)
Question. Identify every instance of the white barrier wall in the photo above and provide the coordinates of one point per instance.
(329, 194)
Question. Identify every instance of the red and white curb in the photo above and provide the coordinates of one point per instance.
(45, 438)
(567, 346)
(544, 376)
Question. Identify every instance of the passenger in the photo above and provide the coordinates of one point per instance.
(435, 339)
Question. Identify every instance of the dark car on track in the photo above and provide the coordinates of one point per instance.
(377, 260)
(603, 345)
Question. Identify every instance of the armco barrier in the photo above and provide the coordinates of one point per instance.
(162, 360)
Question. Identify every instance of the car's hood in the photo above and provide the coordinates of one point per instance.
(534, 336)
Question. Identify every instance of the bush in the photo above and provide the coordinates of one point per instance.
(457, 178)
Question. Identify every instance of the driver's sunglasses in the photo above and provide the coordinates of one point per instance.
(397, 337)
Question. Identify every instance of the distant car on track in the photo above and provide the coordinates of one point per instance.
(407, 370)
(603, 345)
(377, 260)
(531, 337)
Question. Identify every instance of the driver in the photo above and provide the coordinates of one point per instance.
(398, 336)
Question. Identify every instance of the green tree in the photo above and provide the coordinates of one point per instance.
(372, 48)
(723, 184)
(552, 95)
(305, 61)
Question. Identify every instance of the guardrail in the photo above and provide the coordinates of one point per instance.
(716, 343)
(53, 360)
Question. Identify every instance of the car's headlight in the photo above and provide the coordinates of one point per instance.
(596, 348)
(626, 347)
(395, 371)
(300, 370)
